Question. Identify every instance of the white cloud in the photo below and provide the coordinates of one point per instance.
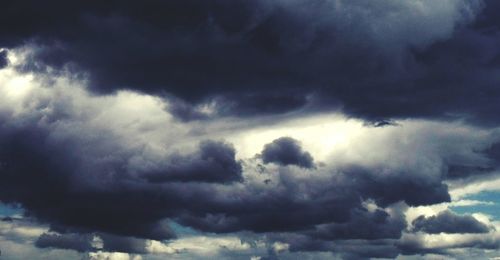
(112, 256)
(201, 245)
(21, 230)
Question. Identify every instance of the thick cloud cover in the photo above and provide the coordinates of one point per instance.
(376, 60)
(363, 225)
(449, 222)
(95, 171)
(92, 242)
(83, 160)
(286, 151)
(215, 162)
(68, 241)
(123, 124)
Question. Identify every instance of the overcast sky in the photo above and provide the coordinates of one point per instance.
(238, 129)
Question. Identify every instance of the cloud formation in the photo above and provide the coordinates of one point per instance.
(286, 151)
(215, 162)
(448, 222)
(114, 172)
(392, 59)
(238, 130)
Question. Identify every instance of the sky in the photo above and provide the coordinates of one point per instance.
(259, 130)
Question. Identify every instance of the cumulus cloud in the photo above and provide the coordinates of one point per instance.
(444, 243)
(215, 162)
(286, 151)
(363, 225)
(68, 241)
(117, 127)
(100, 154)
(449, 222)
(93, 242)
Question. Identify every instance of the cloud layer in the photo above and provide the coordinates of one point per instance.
(234, 129)
(390, 59)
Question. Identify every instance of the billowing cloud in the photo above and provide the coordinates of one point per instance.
(448, 222)
(115, 171)
(286, 151)
(246, 130)
(375, 61)
(363, 225)
(68, 241)
(215, 162)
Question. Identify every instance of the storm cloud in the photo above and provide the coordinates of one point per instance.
(448, 222)
(239, 129)
(132, 185)
(274, 57)
(69, 241)
(215, 162)
(286, 151)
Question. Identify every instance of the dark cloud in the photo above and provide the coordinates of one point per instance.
(84, 179)
(78, 242)
(463, 171)
(88, 242)
(409, 191)
(271, 212)
(335, 199)
(347, 249)
(449, 222)
(214, 162)
(268, 56)
(259, 103)
(47, 192)
(286, 151)
(382, 123)
(414, 189)
(113, 243)
(88, 183)
(414, 247)
(184, 111)
(201, 193)
(379, 61)
(3, 59)
(7, 219)
(493, 152)
(363, 225)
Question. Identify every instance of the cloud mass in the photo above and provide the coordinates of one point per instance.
(249, 130)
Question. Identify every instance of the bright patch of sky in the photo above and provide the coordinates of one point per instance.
(9, 210)
(181, 230)
(489, 204)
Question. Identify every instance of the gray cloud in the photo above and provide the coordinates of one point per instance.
(286, 151)
(3, 59)
(363, 225)
(390, 59)
(449, 222)
(215, 162)
(124, 165)
(78, 242)
(87, 242)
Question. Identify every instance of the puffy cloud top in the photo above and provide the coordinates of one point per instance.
(286, 151)
(449, 222)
